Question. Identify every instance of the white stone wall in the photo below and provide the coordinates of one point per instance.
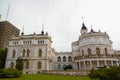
(92, 41)
(34, 44)
(62, 63)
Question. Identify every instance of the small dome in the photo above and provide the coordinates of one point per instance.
(83, 26)
(92, 31)
(42, 32)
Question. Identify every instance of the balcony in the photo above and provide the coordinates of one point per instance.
(94, 57)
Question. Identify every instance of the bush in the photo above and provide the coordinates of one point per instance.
(112, 73)
(0, 73)
(67, 67)
(19, 64)
(10, 73)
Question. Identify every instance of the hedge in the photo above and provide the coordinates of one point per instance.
(10, 73)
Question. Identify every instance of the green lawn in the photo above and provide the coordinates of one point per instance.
(47, 77)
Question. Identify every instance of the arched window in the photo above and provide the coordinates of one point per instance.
(12, 65)
(30, 42)
(39, 65)
(40, 53)
(64, 65)
(106, 51)
(82, 52)
(98, 51)
(59, 59)
(13, 54)
(89, 52)
(64, 59)
(74, 58)
(59, 67)
(27, 65)
(28, 52)
(23, 53)
(69, 58)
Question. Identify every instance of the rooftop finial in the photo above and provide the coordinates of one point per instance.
(82, 19)
(83, 25)
(22, 30)
(42, 29)
(91, 26)
(92, 30)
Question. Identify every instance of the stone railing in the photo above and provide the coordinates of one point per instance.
(85, 57)
(68, 72)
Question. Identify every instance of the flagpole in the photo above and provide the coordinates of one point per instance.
(7, 12)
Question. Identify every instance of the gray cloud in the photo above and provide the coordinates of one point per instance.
(63, 18)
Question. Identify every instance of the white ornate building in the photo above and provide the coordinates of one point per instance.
(91, 50)
(34, 49)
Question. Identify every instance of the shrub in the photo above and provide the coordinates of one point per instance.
(112, 73)
(3, 54)
(19, 64)
(67, 67)
(10, 73)
(0, 73)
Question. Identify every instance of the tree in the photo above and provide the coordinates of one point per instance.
(3, 54)
(112, 73)
(19, 64)
(93, 74)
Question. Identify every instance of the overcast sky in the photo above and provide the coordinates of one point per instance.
(62, 19)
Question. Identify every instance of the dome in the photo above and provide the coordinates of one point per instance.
(96, 39)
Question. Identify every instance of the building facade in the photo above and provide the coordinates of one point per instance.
(7, 30)
(62, 59)
(91, 50)
(34, 49)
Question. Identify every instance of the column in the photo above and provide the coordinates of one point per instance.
(117, 63)
(84, 65)
(91, 64)
(61, 58)
(105, 63)
(79, 66)
(98, 65)
(87, 65)
(75, 66)
(24, 67)
(112, 63)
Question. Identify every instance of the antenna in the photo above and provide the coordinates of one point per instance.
(22, 30)
(82, 19)
(42, 32)
(42, 27)
(91, 26)
(7, 12)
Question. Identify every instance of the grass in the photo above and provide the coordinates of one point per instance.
(47, 77)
